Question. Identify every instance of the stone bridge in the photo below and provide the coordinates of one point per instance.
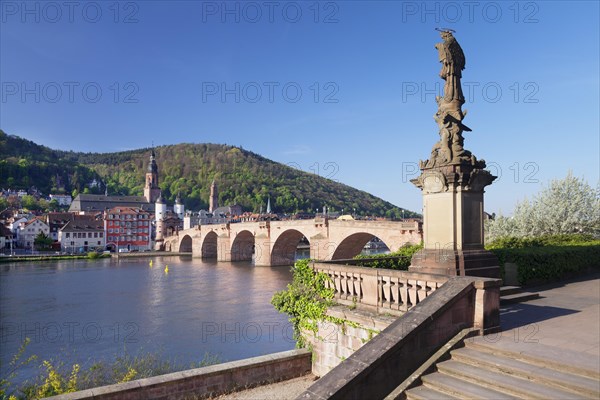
(275, 242)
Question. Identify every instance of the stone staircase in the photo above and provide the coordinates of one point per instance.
(515, 294)
(485, 371)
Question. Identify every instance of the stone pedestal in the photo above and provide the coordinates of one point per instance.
(453, 221)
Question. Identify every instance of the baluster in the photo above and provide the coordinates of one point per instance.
(412, 293)
(337, 280)
(421, 290)
(344, 276)
(394, 298)
(403, 290)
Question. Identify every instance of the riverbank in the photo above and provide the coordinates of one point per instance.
(50, 257)
(149, 254)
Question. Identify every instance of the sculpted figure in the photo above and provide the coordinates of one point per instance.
(453, 62)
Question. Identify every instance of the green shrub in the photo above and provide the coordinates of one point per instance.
(399, 260)
(548, 258)
(305, 300)
(57, 377)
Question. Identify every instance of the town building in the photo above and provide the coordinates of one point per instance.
(82, 234)
(29, 230)
(6, 238)
(94, 203)
(57, 220)
(62, 199)
(128, 229)
(202, 217)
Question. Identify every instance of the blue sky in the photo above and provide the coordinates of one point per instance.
(343, 89)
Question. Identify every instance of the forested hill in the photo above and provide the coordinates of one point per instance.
(242, 177)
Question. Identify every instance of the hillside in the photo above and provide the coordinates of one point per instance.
(242, 177)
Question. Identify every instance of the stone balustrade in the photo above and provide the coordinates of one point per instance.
(379, 290)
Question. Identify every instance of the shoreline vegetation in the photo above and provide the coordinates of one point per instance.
(58, 377)
(50, 257)
(88, 256)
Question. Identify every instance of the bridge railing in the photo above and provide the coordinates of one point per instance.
(379, 290)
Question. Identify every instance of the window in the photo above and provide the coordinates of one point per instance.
(89, 234)
(67, 235)
(101, 234)
(95, 234)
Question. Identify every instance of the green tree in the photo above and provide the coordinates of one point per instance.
(53, 205)
(30, 203)
(42, 241)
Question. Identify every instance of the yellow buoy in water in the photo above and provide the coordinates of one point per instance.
(150, 263)
(166, 269)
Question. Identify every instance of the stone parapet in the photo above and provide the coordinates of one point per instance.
(207, 381)
(393, 355)
(379, 290)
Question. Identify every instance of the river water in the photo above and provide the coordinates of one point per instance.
(83, 311)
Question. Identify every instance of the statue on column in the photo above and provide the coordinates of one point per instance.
(449, 116)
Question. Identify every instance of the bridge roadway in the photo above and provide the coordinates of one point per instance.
(275, 242)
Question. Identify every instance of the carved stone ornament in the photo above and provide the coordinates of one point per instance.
(431, 182)
(479, 179)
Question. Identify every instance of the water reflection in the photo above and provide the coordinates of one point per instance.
(89, 310)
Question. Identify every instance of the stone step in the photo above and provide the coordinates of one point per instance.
(506, 290)
(503, 383)
(540, 355)
(518, 298)
(426, 393)
(540, 374)
(460, 388)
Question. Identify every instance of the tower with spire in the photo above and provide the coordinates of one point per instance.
(214, 197)
(151, 190)
(160, 212)
(179, 208)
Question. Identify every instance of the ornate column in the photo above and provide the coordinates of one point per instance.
(452, 181)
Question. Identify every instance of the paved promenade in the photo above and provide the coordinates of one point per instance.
(563, 326)
(565, 321)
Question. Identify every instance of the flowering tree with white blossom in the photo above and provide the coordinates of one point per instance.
(565, 206)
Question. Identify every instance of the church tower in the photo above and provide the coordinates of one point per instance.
(214, 197)
(151, 190)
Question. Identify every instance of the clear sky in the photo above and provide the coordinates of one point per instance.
(343, 89)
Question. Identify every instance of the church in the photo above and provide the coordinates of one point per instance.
(166, 221)
(95, 203)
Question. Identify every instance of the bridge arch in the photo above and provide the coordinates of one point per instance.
(242, 247)
(185, 246)
(209, 245)
(353, 245)
(284, 248)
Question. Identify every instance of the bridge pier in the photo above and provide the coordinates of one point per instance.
(262, 250)
(223, 248)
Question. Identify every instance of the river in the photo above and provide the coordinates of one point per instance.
(82, 311)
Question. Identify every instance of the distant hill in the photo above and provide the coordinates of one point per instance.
(242, 177)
